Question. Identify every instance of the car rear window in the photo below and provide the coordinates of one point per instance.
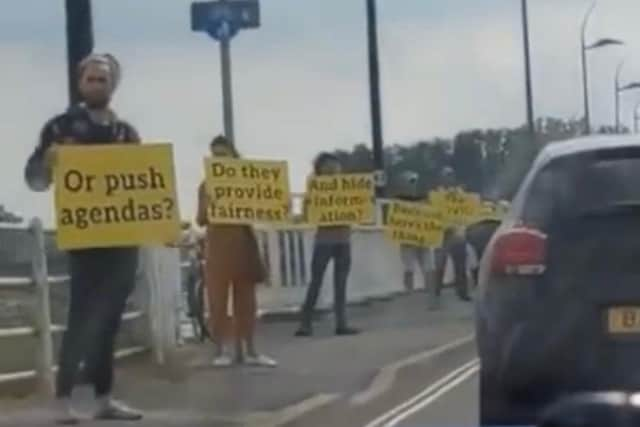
(583, 182)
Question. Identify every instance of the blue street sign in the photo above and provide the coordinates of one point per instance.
(224, 18)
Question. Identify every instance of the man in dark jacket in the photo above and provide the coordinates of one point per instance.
(101, 278)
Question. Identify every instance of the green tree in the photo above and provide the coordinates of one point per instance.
(495, 145)
(489, 161)
(468, 160)
(8, 217)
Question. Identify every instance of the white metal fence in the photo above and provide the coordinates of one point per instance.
(376, 272)
(36, 287)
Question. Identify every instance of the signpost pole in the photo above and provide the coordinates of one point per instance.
(79, 41)
(227, 92)
(222, 20)
(374, 93)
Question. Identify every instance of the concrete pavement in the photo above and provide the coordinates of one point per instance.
(315, 375)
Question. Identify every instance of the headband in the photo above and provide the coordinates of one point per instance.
(104, 59)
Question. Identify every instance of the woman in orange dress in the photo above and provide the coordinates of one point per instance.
(233, 266)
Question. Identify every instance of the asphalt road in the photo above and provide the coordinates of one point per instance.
(439, 391)
(323, 380)
(455, 404)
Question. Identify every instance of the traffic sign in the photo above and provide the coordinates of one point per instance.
(380, 178)
(223, 19)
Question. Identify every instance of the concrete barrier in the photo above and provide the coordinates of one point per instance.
(376, 270)
(287, 251)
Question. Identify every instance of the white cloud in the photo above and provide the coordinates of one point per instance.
(34, 85)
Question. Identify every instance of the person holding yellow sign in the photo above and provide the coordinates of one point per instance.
(454, 247)
(331, 243)
(101, 278)
(413, 254)
(233, 265)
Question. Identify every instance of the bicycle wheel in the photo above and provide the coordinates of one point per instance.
(195, 326)
(199, 320)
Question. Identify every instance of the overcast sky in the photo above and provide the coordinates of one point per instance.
(300, 81)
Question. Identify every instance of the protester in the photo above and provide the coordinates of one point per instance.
(331, 243)
(233, 264)
(454, 247)
(101, 278)
(411, 255)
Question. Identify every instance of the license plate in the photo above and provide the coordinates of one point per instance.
(624, 320)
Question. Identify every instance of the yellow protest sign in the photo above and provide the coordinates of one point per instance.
(344, 199)
(502, 208)
(458, 207)
(486, 212)
(416, 224)
(247, 191)
(115, 195)
(491, 211)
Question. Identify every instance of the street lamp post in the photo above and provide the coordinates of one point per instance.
(527, 67)
(630, 86)
(618, 90)
(374, 94)
(79, 41)
(227, 91)
(585, 77)
(585, 86)
(617, 95)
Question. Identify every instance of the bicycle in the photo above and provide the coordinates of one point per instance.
(196, 294)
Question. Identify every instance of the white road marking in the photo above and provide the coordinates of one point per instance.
(433, 389)
(387, 375)
(290, 413)
(429, 400)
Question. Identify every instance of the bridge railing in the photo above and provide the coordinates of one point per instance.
(287, 252)
(25, 281)
(376, 273)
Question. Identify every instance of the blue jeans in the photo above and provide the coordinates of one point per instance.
(323, 253)
(454, 246)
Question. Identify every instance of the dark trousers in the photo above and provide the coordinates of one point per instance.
(101, 282)
(454, 246)
(323, 253)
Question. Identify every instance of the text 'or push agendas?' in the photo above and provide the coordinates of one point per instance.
(246, 191)
(115, 195)
(344, 199)
(414, 223)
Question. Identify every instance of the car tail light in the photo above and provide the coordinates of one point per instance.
(520, 251)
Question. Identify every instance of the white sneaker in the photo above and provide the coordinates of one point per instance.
(222, 361)
(116, 411)
(261, 360)
(63, 412)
